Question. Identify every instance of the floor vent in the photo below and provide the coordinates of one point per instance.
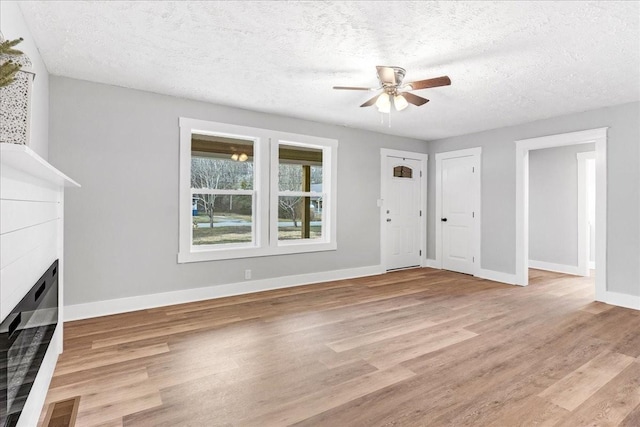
(62, 413)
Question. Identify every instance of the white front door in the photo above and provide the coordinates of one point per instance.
(401, 212)
(458, 216)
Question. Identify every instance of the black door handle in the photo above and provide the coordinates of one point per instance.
(443, 219)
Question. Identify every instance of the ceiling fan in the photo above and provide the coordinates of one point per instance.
(393, 89)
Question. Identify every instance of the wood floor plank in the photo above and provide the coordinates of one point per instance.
(97, 359)
(571, 391)
(633, 419)
(612, 403)
(597, 307)
(331, 397)
(389, 358)
(89, 385)
(109, 411)
(533, 411)
(379, 335)
(409, 348)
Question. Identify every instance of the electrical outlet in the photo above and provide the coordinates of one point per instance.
(247, 274)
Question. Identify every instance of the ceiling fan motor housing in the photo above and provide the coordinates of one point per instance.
(390, 77)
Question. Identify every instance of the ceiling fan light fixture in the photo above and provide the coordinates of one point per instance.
(234, 157)
(400, 102)
(386, 108)
(243, 157)
(383, 102)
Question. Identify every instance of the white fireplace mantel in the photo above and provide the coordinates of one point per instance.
(23, 158)
(31, 239)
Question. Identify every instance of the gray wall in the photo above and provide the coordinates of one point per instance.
(13, 26)
(121, 227)
(553, 204)
(498, 188)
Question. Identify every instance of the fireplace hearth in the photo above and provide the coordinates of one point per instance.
(24, 339)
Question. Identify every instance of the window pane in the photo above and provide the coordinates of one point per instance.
(221, 163)
(296, 223)
(294, 164)
(219, 219)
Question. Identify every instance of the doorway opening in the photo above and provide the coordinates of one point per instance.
(558, 208)
(523, 148)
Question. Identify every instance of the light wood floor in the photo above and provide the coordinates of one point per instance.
(411, 348)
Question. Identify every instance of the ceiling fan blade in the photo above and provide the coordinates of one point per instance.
(414, 99)
(435, 82)
(370, 102)
(386, 75)
(352, 88)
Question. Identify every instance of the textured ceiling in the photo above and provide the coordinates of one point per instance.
(510, 62)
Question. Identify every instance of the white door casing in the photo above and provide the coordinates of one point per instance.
(457, 219)
(583, 212)
(403, 210)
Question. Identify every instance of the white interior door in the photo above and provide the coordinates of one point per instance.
(458, 216)
(401, 212)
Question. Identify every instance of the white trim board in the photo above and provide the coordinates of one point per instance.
(599, 136)
(477, 232)
(431, 263)
(494, 276)
(424, 161)
(143, 302)
(558, 268)
(622, 300)
(497, 276)
(583, 222)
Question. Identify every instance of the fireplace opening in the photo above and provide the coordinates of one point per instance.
(24, 339)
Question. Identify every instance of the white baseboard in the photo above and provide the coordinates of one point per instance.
(431, 263)
(143, 302)
(33, 406)
(558, 268)
(497, 276)
(622, 300)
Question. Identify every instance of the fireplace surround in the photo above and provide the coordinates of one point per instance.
(25, 336)
(31, 238)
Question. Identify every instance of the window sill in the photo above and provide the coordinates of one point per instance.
(244, 252)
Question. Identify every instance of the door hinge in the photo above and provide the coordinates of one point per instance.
(473, 259)
(421, 174)
(420, 252)
(420, 213)
(473, 214)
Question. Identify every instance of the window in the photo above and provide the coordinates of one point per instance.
(299, 192)
(222, 191)
(248, 192)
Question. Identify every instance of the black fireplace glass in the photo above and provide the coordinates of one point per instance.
(25, 335)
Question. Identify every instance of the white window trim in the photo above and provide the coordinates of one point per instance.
(265, 193)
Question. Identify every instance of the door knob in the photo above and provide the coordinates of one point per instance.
(443, 219)
(388, 219)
